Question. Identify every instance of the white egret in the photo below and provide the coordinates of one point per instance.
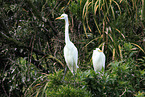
(70, 51)
(98, 59)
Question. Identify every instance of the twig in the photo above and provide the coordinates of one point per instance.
(123, 93)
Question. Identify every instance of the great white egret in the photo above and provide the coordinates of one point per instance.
(70, 51)
(98, 59)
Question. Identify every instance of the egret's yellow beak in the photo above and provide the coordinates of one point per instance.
(57, 18)
(99, 50)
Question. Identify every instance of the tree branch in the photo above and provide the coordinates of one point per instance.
(17, 44)
(38, 15)
(3, 27)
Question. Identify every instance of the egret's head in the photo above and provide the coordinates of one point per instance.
(97, 49)
(63, 16)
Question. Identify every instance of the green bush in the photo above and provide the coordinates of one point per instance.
(54, 86)
(124, 78)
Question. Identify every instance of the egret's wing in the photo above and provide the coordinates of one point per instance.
(67, 56)
(76, 56)
(95, 59)
(68, 59)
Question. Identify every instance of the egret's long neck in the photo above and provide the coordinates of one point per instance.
(66, 31)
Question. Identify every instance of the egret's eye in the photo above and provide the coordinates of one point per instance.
(62, 16)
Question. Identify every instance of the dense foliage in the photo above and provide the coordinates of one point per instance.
(32, 42)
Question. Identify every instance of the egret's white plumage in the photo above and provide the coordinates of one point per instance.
(98, 59)
(70, 51)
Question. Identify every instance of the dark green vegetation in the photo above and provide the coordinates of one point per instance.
(32, 41)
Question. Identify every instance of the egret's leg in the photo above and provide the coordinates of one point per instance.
(64, 73)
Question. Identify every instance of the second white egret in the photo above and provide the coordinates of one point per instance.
(98, 59)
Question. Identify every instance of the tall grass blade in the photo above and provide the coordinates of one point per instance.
(120, 51)
(84, 14)
(139, 47)
(113, 57)
(117, 6)
(87, 8)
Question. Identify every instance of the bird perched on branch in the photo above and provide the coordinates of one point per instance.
(70, 51)
(98, 59)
